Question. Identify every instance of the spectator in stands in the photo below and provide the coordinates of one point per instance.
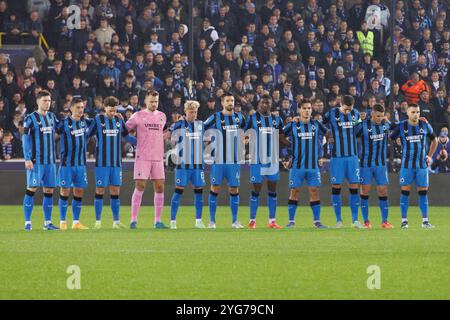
(9, 86)
(414, 87)
(4, 113)
(441, 159)
(4, 13)
(13, 26)
(104, 32)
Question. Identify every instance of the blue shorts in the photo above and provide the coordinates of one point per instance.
(72, 177)
(108, 176)
(298, 176)
(419, 176)
(42, 175)
(378, 173)
(185, 176)
(231, 172)
(344, 168)
(257, 176)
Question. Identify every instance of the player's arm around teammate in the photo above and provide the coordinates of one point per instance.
(39, 152)
(263, 122)
(344, 162)
(72, 170)
(227, 123)
(373, 140)
(413, 134)
(305, 166)
(109, 130)
(187, 132)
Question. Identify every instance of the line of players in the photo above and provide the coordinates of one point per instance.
(342, 126)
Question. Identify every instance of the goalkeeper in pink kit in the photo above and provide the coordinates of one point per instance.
(149, 125)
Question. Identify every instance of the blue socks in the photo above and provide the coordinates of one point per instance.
(404, 204)
(337, 203)
(423, 204)
(315, 207)
(114, 203)
(354, 204)
(47, 205)
(292, 208)
(272, 204)
(384, 208)
(212, 206)
(254, 203)
(28, 203)
(76, 208)
(234, 205)
(98, 206)
(365, 207)
(382, 203)
(175, 203)
(63, 204)
(198, 203)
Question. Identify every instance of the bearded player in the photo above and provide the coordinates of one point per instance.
(149, 125)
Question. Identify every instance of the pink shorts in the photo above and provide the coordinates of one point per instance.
(149, 170)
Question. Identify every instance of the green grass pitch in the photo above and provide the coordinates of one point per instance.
(302, 263)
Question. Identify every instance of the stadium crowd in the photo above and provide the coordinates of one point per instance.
(292, 50)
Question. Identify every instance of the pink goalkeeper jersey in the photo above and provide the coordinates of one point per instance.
(149, 127)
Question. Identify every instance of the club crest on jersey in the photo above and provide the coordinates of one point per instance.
(422, 131)
(313, 127)
(274, 122)
(199, 127)
(118, 125)
(353, 118)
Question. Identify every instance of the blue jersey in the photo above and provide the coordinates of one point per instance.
(190, 141)
(73, 142)
(39, 138)
(228, 127)
(373, 142)
(306, 144)
(414, 143)
(264, 126)
(109, 134)
(342, 128)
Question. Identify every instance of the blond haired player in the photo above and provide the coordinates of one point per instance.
(188, 134)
